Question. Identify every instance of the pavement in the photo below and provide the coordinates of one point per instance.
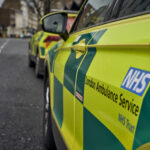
(21, 98)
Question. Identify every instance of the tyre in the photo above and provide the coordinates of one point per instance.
(37, 66)
(30, 62)
(48, 138)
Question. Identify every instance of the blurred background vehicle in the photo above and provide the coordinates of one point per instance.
(41, 43)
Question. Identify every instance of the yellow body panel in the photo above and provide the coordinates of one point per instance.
(60, 62)
(68, 126)
(78, 142)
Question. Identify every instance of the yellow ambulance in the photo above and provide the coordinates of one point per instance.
(97, 79)
(41, 42)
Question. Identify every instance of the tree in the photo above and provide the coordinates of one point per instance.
(41, 7)
(47, 6)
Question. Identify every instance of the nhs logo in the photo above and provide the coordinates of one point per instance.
(136, 81)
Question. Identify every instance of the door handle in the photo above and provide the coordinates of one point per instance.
(80, 46)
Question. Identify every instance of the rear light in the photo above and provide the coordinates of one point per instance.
(47, 44)
(51, 38)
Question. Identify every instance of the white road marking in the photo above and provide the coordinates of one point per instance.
(1, 48)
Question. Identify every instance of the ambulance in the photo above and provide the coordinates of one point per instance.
(97, 78)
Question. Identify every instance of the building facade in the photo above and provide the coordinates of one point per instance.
(18, 17)
(32, 19)
(66, 4)
(7, 18)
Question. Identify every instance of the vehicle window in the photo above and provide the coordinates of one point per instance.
(130, 7)
(94, 12)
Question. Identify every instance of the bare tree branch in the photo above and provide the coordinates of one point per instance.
(42, 7)
(47, 4)
(37, 7)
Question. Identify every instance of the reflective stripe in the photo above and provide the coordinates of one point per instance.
(96, 136)
(42, 51)
(73, 64)
(142, 134)
(58, 101)
(52, 54)
(40, 36)
(86, 63)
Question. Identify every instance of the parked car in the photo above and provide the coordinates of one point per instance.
(97, 80)
(41, 42)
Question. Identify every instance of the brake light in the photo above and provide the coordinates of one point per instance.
(47, 44)
(51, 38)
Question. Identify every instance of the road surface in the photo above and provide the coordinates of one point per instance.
(21, 99)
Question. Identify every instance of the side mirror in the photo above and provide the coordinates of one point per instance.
(55, 23)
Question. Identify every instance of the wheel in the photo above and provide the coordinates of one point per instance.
(48, 138)
(30, 62)
(37, 66)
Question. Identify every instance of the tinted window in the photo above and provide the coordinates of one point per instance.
(130, 7)
(94, 13)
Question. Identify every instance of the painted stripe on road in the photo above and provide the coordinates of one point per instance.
(2, 47)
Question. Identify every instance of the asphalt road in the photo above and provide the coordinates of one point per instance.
(21, 99)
